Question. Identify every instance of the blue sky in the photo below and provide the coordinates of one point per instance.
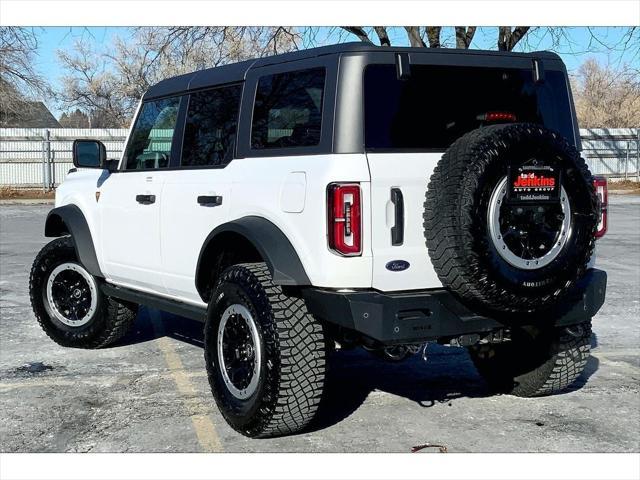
(574, 53)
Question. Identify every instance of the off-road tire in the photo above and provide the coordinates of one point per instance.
(535, 364)
(110, 322)
(456, 230)
(294, 352)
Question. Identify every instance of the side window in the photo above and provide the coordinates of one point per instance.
(210, 129)
(150, 144)
(288, 109)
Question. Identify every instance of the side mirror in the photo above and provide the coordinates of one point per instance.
(90, 154)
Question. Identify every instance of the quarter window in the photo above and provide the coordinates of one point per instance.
(288, 110)
(152, 135)
(210, 129)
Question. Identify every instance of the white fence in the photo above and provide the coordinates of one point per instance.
(612, 151)
(31, 157)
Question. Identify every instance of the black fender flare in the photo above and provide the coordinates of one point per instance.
(69, 220)
(272, 244)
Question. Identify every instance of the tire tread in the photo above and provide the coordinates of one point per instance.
(301, 354)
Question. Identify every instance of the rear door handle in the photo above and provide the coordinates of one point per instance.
(209, 200)
(145, 199)
(397, 231)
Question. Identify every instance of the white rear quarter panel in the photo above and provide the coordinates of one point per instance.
(257, 189)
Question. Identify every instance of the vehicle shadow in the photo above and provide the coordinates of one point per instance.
(447, 374)
(352, 375)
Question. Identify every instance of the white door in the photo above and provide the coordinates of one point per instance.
(130, 210)
(196, 197)
(194, 202)
(130, 199)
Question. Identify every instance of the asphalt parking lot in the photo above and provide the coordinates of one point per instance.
(150, 393)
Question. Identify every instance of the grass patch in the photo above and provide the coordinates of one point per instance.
(11, 193)
(625, 186)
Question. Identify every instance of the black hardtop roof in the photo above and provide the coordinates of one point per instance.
(237, 72)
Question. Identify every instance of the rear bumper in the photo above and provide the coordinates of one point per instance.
(418, 316)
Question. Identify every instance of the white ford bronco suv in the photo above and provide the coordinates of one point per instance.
(347, 195)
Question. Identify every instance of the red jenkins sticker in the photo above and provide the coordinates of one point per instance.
(533, 180)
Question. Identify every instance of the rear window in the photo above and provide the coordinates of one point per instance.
(288, 110)
(439, 104)
(210, 128)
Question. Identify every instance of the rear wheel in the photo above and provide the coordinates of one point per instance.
(68, 303)
(535, 362)
(265, 354)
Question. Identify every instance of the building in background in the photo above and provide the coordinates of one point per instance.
(23, 113)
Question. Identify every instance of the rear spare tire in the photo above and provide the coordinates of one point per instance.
(510, 218)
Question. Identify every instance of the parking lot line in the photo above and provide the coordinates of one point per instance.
(96, 380)
(202, 424)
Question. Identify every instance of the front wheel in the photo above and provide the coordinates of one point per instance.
(68, 303)
(535, 362)
(265, 354)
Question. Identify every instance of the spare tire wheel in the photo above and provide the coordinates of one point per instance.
(510, 218)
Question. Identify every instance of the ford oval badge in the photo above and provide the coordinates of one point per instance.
(397, 265)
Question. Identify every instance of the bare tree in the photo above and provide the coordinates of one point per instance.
(416, 36)
(464, 36)
(109, 84)
(558, 39)
(76, 119)
(508, 39)
(360, 33)
(433, 36)
(19, 80)
(227, 44)
(383, 36)
(90, 85)
(415, 40)
(606, 96)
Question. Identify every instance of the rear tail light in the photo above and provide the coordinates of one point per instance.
(600, 183)
(344, 219)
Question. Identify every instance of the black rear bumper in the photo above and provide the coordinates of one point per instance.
(418, 316)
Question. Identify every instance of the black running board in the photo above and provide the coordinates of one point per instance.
(155, 301)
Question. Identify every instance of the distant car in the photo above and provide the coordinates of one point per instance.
(351, 194)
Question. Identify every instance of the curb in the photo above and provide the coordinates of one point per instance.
(27, 201)
(624, 192)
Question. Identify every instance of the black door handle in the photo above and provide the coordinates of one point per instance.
(397, 231)
(145, 199)
(210, 200)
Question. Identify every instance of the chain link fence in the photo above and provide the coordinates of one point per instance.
(31, 157)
